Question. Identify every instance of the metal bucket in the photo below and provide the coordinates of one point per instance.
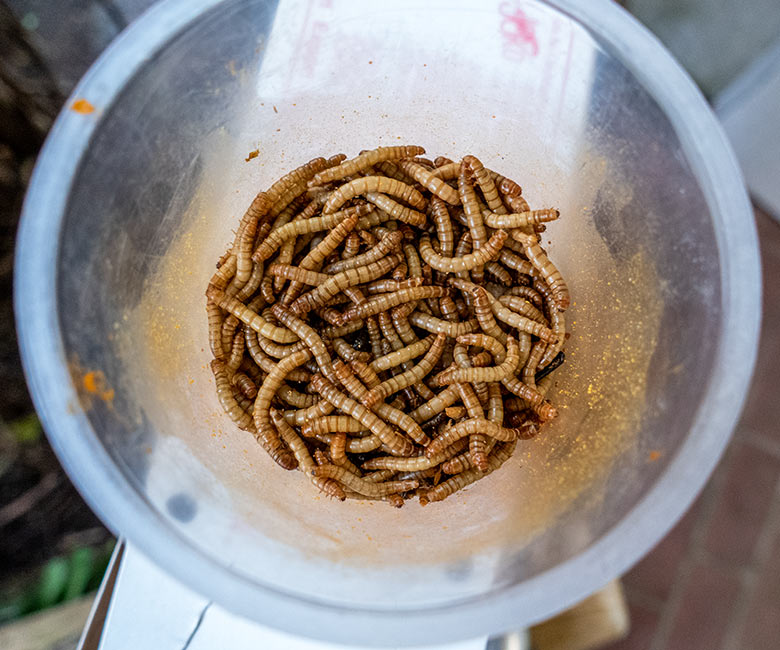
(132, 203)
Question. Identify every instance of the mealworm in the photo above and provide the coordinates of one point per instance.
(388, 331)
(364, 161)
(408, 378)
(558, 326)
(226, 397)
(387, 244)
(400, 272)
(297, 274)
(308, 335)
(331, 424)
(395, 210)
(305, 462)
(448, 309)
(494, 413)
(400, 317)
(468, 427)
(266, 432)
(272, 348)
(489, 251)
(535, 399)
(364, 445)
(484, 314)
(244, 384)
(294, 398)
(298, 175)
(267, 289)
(371, 185)
(441, 219)
(516, 263)
(365, 373)
(431, 182)
(224, 273)
(525, 219)
(374, 336)
(317, 255)
(478, 451)
(368, 237)
(523, 307)
(402, 355)
(347, 352)
(549, 272)
(448, 171)
(439, 326)
(215, 320)
(392, 170)
(392, 439)
(505, 186)
(489, 343)
(529, 370)
(246, 244)
(519, 322)
(337, 283)
(388, 285)
(358, 484)
(341, 330)
(462, 359)
(415, 463)
(236, 353)
(387, 301)
(481, 359)
(351, 246)
(297, 228)
(255, 278)
(385, 411)
(499, 273)
(528, 293)
(447, 488)
(412, 260)
(299, 417)
(250, 317)
(473, 215)
(485, 181)
(264, 361)
(338, 453)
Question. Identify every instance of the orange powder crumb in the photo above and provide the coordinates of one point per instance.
(91, 380)
(654, 455)
(252, 155)
(82, 106)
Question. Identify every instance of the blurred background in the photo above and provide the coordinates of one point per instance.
(711, 584)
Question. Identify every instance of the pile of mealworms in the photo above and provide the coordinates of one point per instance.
(387, 324)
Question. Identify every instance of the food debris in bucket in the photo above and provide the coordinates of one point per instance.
(388, 324)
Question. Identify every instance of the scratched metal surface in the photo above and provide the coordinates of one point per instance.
(152, 201)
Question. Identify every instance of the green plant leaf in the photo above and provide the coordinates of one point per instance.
(27, 430)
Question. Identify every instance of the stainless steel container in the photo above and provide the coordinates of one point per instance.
(131, 204)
